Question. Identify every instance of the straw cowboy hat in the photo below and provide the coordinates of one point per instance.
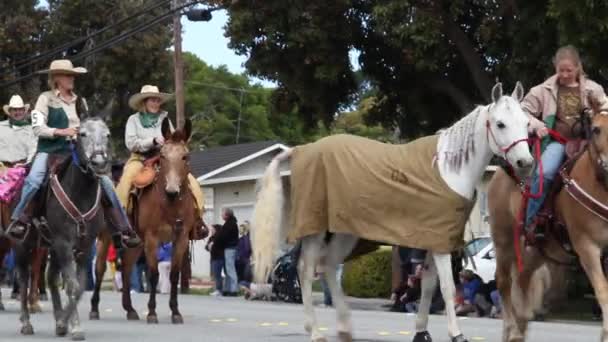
(64, 66)
(147, 91)
(15, 102)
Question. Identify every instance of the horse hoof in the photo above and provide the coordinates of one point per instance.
(132, 316)
(61, 330)
(78, 336)
(27, 329)
(152, 319)
(320, 339)
(422, 336)
(177, 319)
(94, 316)
(344, 336)
(459, 338)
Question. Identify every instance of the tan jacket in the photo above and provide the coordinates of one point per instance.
(541, 101)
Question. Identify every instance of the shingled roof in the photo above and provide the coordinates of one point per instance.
(203, 162)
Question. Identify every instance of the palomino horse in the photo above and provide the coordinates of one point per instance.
(580, 205)
(71, 234)
(495, 129)
(163, 212)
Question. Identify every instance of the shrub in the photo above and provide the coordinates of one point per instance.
(368, 276)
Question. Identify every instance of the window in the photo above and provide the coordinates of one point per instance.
(475, 246)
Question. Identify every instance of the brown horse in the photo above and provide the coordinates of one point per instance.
(38, 258)
(162, 212)
(587, 227)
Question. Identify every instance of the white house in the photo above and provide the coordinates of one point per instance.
(228, 176)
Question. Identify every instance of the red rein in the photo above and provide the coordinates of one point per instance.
(526, 194)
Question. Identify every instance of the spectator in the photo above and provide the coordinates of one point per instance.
(228, 238)
(216, 252)
(243, 254)
(165, 251)
(470, 286)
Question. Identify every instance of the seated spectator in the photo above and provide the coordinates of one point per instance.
(470, 283)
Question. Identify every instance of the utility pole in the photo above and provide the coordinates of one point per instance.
(178, 65)
(238, 120)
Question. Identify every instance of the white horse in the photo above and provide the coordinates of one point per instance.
(495, 129)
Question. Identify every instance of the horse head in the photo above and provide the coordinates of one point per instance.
(93, 144)
(507, 127)
(598, 139)
(175, 158)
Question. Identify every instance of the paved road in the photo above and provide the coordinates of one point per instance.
(210, 319)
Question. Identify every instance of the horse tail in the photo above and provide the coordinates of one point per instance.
(267, 230)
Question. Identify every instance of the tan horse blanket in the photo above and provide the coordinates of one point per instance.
(380, 192)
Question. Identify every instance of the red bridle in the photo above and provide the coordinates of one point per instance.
(504, 150)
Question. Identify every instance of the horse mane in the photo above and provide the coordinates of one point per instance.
(460, 140)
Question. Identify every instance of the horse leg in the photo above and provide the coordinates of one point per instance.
(309, 256)
(34, 294)
(74, 294)
(5, 246)
(179, 251)
(590, 256)
(61, 328)
(340, 246)
(42, 285)
(103, 243)
(22, 258)
(428, 286)
(130, 257)
(151, 245)
(443, 262)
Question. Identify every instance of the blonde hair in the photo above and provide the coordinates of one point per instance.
(51, 82)
(571, 53)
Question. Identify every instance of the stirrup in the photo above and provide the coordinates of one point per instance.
(10, 231)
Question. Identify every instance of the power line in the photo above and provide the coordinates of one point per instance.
(111, 42)
(211, 85)
(33, 59)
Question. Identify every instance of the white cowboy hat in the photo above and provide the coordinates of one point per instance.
(63, 66)
(15, 102)
(147, 91)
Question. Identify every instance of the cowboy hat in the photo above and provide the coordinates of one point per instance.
(147, 91)
(15, 102)
(63, 66)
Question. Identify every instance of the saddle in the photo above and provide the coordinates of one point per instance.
(147, 174)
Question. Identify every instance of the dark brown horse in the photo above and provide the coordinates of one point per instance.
(38, 258)
(162, 212)
(587, 227)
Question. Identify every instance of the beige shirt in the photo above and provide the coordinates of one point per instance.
(140, 139)
(17, 143)
(41, 112)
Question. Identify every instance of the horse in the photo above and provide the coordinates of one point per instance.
(164, 211)
(580, 205)
(499, 128)
(69, 233)
(39, 253)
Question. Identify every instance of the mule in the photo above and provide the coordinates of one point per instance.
(69, 232)
(580, 206)
(499, 128)
(164, 211)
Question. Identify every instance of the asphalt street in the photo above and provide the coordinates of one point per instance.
(234, 319)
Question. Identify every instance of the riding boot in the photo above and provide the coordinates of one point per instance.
(124, 234)
(21, 216)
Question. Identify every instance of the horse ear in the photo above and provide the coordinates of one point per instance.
(106, 113)
(166, 129)
(187, 130)
(518, 92)
(496, 92)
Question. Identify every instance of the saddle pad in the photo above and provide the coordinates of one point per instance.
(380, 192)
(11, 181)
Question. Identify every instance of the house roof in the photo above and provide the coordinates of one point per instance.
(204, 162)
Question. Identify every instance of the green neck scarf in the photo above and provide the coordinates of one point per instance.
(18, 123)
(148, 119)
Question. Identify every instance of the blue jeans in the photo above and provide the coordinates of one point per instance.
(230, 264)
(32, 183)
(552, 159)
(326, 292)
(216, 268)
(108, 188)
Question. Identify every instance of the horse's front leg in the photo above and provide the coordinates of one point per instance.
(428, 286)
(81, 274)
(130, 257)
(103, 243)
(75, 279)
(179, 250)
(151, 245)
(590, 255)
(22, 257)
(340, 246)
(53, 276)
(34, 294)
(443, 262)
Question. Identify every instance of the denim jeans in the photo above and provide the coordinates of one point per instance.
(552, 158)
(230, 265)
(327, 300)
(32, 183)
(216, 268)
(108, 188)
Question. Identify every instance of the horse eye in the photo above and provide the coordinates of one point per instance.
(185, 158)
(596, 130)
(500, 125)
